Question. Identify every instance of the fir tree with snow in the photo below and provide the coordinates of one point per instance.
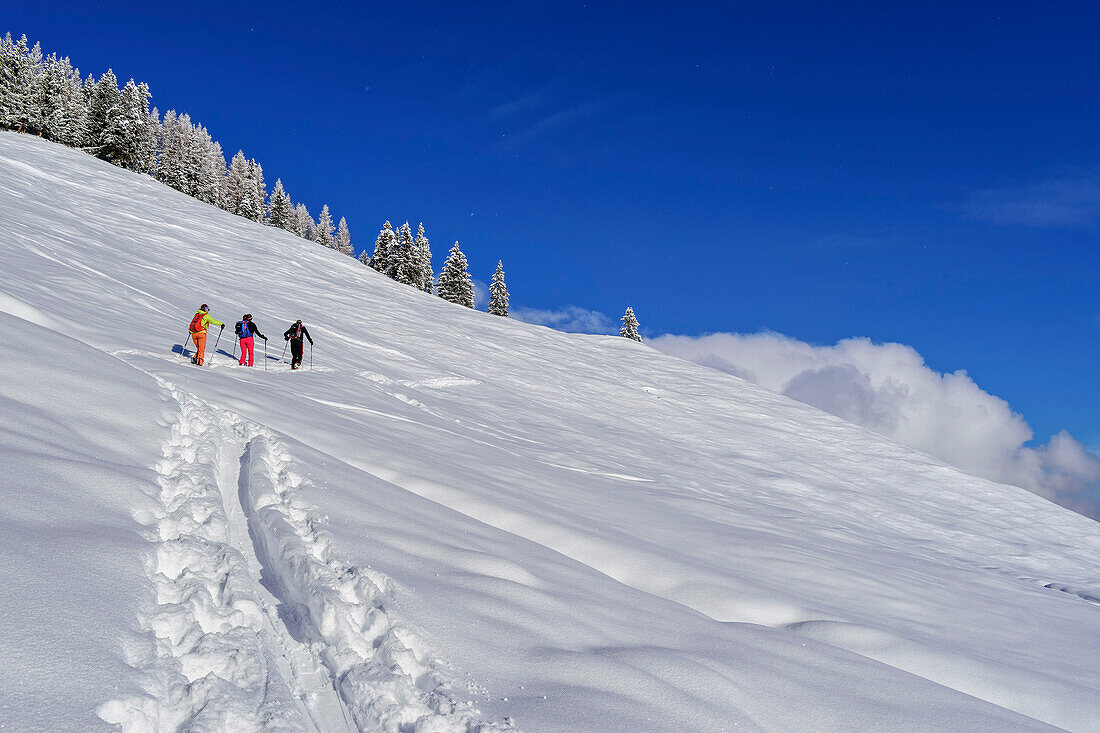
(12, 58)
(383, 249)
(322, 233)
(630, 326)
(237, 183)
(423, 252)
(124, 140)
(303, 222)
(103, 97)
(403, 266)
(498, 292)
(455, 283)
(343, 239)
(280, 210)
(364, 257)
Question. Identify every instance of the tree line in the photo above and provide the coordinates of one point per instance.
(46, 96)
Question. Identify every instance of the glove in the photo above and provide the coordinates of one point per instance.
(223, 326)
(286, 338)
(264, 338)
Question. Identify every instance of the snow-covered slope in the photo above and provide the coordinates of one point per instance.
(455, 520)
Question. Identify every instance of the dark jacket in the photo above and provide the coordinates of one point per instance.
(253, 330)
(296, 332)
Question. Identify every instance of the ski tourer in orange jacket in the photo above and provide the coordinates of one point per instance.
(197, 329)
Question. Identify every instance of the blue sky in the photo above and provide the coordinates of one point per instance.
(928, 175)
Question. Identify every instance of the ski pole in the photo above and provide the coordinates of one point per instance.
(284, 352)
(183, 346)
(265, 355)
(235, 348)
(216, 341)
(311, 356)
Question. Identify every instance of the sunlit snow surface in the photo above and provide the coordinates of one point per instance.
(455, 520)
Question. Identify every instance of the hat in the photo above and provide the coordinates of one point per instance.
(204, 307)
(247, 316)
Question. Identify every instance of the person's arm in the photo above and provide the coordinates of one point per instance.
(210, 319)
(256, 330)
(286, 333)
(305, 331)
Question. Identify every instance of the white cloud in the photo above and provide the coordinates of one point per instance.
(571, 318)
(889, 389)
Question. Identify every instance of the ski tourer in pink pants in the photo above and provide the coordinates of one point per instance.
(245, 328)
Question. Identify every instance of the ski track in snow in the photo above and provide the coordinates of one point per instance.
(257, 623)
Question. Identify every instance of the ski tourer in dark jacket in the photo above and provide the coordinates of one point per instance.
(246, 327)
(294, 335)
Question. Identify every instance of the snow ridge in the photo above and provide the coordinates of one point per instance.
(386, 677)
(209, 668)
(257, 624)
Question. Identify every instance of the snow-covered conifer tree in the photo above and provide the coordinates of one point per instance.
(32, 77)
(498, 292)
(364, 257)
(403, 265)
(254, 193)
(454, 283)
(303, 222)
(343, 239)
(123, 142)
(69, 120)
(280, 210)
(630, 326)
(209, 176)
(11, 93)
(423, 251)
(236, 183)
(322, 233)
(104, 96)
(383, 249)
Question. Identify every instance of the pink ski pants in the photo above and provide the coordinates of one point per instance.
(246, 349)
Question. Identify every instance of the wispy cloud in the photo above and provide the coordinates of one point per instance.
(519, 106)
(571, 319)
(556, 121)
(1053, 204)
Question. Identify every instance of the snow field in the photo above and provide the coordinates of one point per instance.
(594, 536)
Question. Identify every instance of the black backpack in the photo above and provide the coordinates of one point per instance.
(240, 329)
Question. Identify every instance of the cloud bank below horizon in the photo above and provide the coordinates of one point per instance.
(889, 389)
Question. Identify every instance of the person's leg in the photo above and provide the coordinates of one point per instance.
(246, 350)
(200, 346)
(295, 353)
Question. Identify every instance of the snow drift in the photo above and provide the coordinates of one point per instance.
(457, 522)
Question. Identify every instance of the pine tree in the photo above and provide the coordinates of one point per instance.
(403, 266)
(498, 292)
(630, 326)
(103, 95)
(424, 260)
(210, 177)
(70, 123)
(322, 233)
(364, 258)
(281, 212)
(454, 283)
(343, 239)
(236, 184)
(11, 93)
(31, 79)
(123, 142)
(383, 249)
(253, 193)
(303, 222)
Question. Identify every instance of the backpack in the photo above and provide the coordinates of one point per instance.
(242, 330)
(196, 322)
